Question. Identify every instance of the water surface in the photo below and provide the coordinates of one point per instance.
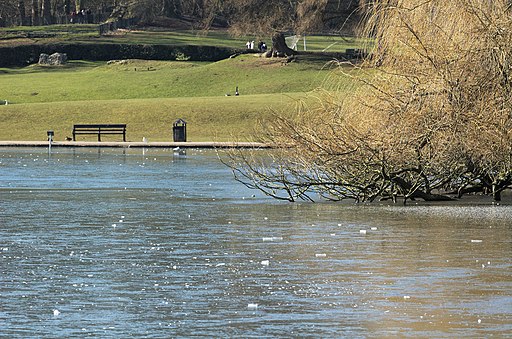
(116, 243)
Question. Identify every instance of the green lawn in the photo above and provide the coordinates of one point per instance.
(150, 95)
(157, 79)
(208, 118)
(90, 34)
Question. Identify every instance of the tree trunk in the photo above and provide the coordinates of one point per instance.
(78, 5)
(406, 186)
(171, 8)
(279, 47)
(198, 9)
(496, 192)
(167, 8)
(34, 4)
(67, 7)
(21, 12)
(46, 13)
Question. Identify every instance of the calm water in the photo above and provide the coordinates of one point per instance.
(113, 243)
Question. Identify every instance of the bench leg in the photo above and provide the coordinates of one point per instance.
(99, 136)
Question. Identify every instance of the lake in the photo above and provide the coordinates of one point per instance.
(147, 243)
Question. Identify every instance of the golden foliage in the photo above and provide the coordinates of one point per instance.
(431, 114)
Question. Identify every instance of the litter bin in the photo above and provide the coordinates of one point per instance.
(179, 130)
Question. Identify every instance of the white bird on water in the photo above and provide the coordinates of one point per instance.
(179, 151)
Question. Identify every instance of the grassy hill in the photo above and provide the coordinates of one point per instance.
(150, 95)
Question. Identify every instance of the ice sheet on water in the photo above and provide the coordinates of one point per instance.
(265, 239)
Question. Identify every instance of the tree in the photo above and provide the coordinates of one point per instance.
(34, 12)
(171, 8)
(261, 17)
(46, 14)
(7, 10)
(21, 12)
(430, 117)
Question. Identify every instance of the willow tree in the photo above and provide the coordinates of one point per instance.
(430, 115)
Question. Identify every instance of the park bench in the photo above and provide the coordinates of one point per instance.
(99, 129)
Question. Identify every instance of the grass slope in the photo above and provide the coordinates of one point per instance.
(150, 95)
(154, 79)
(208, 118)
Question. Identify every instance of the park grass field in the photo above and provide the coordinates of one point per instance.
(89, 34)
(150, 95)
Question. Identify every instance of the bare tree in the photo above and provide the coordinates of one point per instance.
(46, 15)
(430, 117)
(34, 7)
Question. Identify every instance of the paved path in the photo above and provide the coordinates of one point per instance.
(134, 144)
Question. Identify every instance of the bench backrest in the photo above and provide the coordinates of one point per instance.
(99, 126)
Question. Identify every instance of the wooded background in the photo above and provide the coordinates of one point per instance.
(241, 16)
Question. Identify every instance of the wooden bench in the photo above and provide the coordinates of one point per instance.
(99, 129)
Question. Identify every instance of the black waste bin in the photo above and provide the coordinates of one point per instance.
(179, 130)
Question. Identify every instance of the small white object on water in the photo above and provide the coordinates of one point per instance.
(362, 231)
(320, 255)
(479, 321)
(271, 238)
(114, 225)
(252, 306)
(56, 313)
(407, 297)
(265, 262)
(476, 240)
(374, 228)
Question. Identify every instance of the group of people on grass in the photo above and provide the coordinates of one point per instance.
(262, 46)
(83, 16)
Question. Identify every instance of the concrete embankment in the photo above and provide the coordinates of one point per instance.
(134, 144)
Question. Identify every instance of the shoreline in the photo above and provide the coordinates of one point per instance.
(129, 144)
